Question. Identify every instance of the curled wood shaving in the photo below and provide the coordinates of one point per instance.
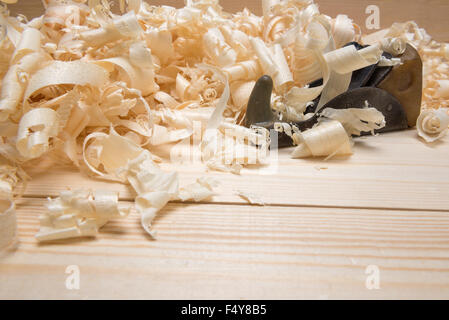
(63, 73)
(78, 213)
(348, 59)
(135, 165)
(232, 147)
(36, 128)
(394, 46)
(343, 30)
(305, 62)
(155, 188)
(273, 63)
(104, 151)
(27, 58)
(326, 139)
(433, 125)
(243, 70)
(355, 121)
(342, 62)
(217, 49)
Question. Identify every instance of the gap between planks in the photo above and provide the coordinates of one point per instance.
(279, 205)
(239, 252)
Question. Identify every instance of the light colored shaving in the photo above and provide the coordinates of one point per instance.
(327, 139)
(79, 214)
(433, 125)
(355, 121)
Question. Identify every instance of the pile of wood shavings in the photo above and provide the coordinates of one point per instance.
(85, 86)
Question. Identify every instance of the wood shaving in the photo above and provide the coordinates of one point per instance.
(331, 136)
(251, 198)
(432, 125)
(355, 121)
(202, 189)
(342, 62)
(78, 214)
(326, 139)
(36, 128)
(344, 30)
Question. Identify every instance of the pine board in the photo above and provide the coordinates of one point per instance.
(387, 205)
(208, 251)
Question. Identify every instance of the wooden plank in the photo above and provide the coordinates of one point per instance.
(429, 15)
(238, 252)
(314, 239)
(394, 170)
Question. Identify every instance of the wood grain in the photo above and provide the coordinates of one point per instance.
(239, 252)
(394, 170)
(324, 222)
(431, 15)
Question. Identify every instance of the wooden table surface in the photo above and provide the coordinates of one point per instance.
(324, 229)
(323, 225)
